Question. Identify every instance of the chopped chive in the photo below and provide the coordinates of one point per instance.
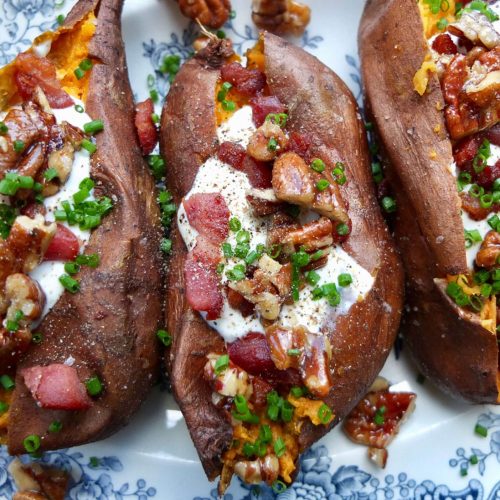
(32, 443)
(318, 165)
(279, 447)
(55, 427)
(344, 279)
(221, 364)
(70, 284)
(7, 382)
(164, 337)
(93, 127)
(94, 385)
(18, 146)
(50, 174)
(71, 267)
(322, 184)
(480, 430)
(89, 146)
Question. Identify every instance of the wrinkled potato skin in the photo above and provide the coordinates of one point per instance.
(109, 326)
(319, 103)
(449, 346)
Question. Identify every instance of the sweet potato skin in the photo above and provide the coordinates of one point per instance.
(320, 104)
(109, 327)
(450, 347)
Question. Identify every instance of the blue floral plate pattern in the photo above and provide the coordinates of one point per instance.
(437, 454)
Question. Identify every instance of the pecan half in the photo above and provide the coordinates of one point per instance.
(284, 17)
(490, 251)
(267, 142)
(211, 13)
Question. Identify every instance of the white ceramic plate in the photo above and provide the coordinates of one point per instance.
(153, 457)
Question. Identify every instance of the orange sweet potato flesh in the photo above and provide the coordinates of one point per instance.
(109, 326)
(320, 104)
(450, 346)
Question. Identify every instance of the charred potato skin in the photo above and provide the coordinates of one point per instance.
(318, 103)
(449, 346)
(109, 326)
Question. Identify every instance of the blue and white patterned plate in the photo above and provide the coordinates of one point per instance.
(437, 454)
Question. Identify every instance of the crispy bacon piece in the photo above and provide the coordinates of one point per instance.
(377, 418)
(252, 353)
(473, 207)
(248, 82)
(32, 72)
(202, 281)
(146, 129)
(259, 173)
(264, 105)
(260, 390)
(233, 154)
(56, 387)
(64, 245)
(209, 215)
(443, 44)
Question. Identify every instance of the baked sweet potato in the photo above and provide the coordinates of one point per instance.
(298, 167)
(437, 122)
(86, 367)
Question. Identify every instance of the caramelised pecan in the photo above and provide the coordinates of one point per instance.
(312, 236)
(211, 13)
(284, 17)
(292, 180)
(267, 142)
(24, 248)
(254, 472)
(25, 295)
(490, 251)
(36, 481)
(299, 349)
(295, 182)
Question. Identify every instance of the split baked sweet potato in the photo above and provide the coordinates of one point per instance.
(78, 350)
(284, 290)
(431, 75)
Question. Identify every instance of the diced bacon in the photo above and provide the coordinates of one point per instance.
(146, 129)
(32, 72)
(488, 175)
(209, 215)
(252, 353)
(232, 154)
(64, 245)
(56, 387)
(260, 390)
(473, 207)
(264, 105)
(248, 82)
(465, 150)
(443, 44)
(202, 281)
(259, 173)
(493, 134)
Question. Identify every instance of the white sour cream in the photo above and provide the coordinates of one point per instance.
(47, 273)
(214, 176)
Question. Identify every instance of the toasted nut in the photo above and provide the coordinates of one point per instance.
(249, 471)
(211, 13)
(25, 295)
(284, 17)
(292, 180)
(230, 382)
(312, 236)
(490, 251)
(61, 161)
(378, 456)
(330, 204)
(267, 142)
(25, 246)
